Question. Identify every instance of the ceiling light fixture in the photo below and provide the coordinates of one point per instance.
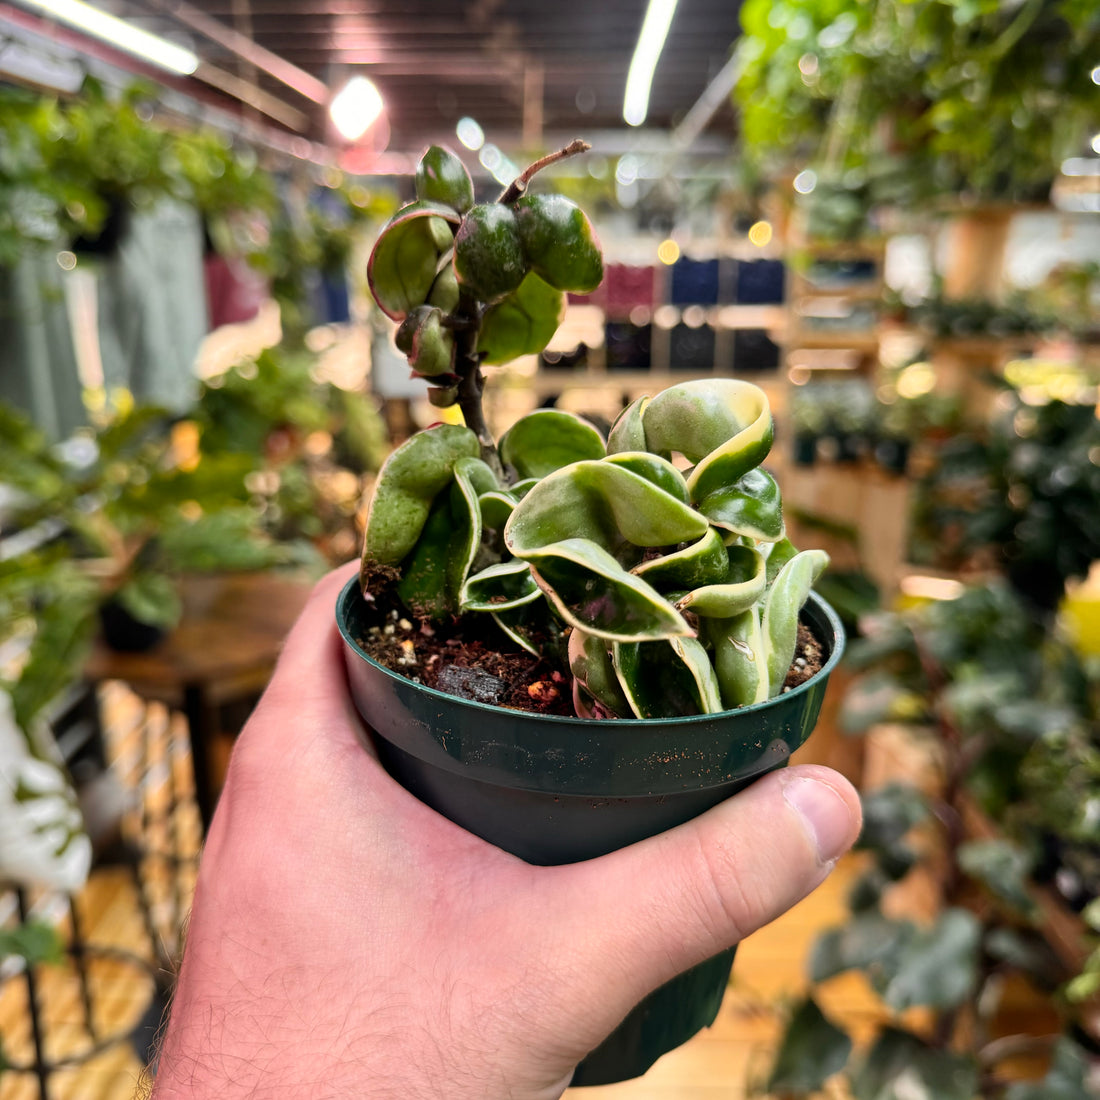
(355, 107)
(117, 32)
(658, 19)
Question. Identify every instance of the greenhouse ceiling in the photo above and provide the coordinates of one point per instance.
(526, 72)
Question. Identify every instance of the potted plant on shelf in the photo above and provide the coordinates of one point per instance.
(623, 585)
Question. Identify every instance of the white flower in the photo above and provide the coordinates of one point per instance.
(42, 838)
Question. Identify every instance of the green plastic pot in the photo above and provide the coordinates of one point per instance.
(558, 790)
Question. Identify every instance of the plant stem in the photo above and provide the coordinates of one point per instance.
(519, 185)
(470, 388)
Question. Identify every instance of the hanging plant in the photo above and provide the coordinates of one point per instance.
(918, 100)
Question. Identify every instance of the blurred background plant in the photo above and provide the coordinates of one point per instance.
(902, 104)
(1018, 495)
(1007, 710)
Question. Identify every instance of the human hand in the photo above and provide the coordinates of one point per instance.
(346, 940)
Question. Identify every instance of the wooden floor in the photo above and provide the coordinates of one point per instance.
(136, 910)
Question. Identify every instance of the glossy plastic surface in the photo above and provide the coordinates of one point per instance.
(558, 790)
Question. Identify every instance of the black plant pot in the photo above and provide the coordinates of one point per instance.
(558, 790)
(125, 634)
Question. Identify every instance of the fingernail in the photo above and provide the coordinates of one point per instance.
(826, 815)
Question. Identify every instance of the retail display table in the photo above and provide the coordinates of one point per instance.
(222, 653)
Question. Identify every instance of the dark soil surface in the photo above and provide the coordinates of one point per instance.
(474, 659)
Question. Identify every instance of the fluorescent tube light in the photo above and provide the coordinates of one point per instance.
(658, 19)
(119, 33)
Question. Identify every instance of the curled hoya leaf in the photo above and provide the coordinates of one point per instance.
(547, 439)
(724, 425)
(434, 575)
(740, 658)
(405, 258)
(444, 292)
(496, 507)
(423, 587)
(667, 679)
(408, 482)
(522, 323)
(776, 555)
(559, 242)
(591, 590)
(594, 678)
(428, 344)
(532, 627)
(750, 506)
(604, 503)
(697, 564)
(784, 602)
(656, 469)
(499, 587)
(442, 177)
(742, 584)
(488, 259)
(628, 431)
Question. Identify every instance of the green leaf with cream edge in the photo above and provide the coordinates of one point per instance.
(661, 554)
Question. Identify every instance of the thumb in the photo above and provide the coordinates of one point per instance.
(667, 903)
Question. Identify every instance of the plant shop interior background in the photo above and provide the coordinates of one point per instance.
(886, 214)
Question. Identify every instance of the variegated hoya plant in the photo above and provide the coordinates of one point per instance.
(655, 562)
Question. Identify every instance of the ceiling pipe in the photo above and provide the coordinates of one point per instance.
(227, 83)
(703, 109)
(247, 49)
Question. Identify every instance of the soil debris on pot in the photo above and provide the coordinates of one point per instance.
(473, 659)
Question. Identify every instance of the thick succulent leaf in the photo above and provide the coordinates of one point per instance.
(656, 469)
(445, 293)
(488, 256)
(592, 591)
(667, 679)
(405, 258)
(434, 576)
(812, 1050)
(499, 587)
(472, 477)
(424, 587)
(740, 586)
(522, 487)
(409, 481)
(522, 323)
(698, 564)
(594, 679)
(442, 396)
(605, 503)
(628, 431)
(740, 658)
(784, 602)
(723, 425)
(751, 506)
(776, 555)
(532, 627)
(902, 1065)
(429, 346)
(442, 177)
(478, 474)
(547, 439)
(496, 507)
(559, 242)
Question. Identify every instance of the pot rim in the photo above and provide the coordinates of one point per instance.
(351, 589)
